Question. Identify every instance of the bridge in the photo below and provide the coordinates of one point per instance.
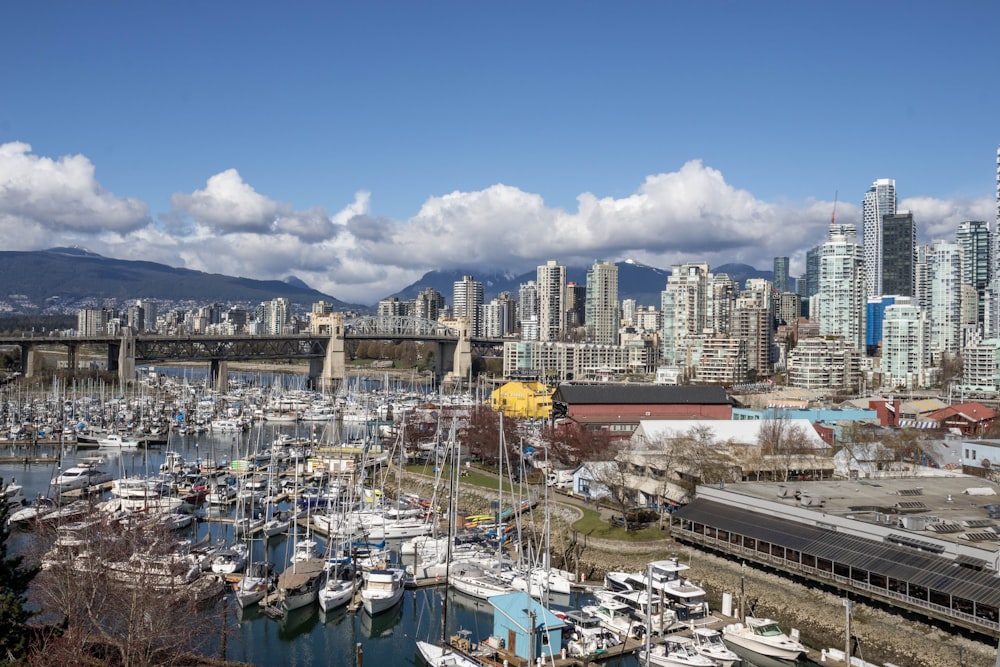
(325, 350)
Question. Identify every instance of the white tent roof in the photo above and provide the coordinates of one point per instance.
(740, 432)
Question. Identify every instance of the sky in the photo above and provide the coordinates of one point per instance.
(358, 145)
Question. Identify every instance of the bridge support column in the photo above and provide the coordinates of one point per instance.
(28, 360)
(315, 379)
(335, 362)
(126, 359)
(462, 364)
(218, 373)
(71, 359)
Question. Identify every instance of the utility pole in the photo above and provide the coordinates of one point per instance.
(848, 605)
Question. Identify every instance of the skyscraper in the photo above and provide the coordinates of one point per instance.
(467, 301)
(576, 305)
(602, 312)
(812, 274)
(551, 285)
(976, 246)
(841, 287)
(899, 241)
(781, 274)
(945, 313)
(879, 201)
(684, 303)
(527, 310)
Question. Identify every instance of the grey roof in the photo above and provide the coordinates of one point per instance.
(643, 394)
(936, 573)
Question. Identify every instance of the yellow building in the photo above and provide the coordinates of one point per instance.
(532, 400)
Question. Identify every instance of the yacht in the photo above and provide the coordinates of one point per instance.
(763, 636)
(81, 476)
(383, 589)
(709, 643)
(675, 651)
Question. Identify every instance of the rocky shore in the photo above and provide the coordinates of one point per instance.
(818, 615)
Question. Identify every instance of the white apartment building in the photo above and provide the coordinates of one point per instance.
(946, 299)
(467, 301)
(721, 360)
(527, 310)
(551, 287)
(494, 319)
(560, 362)
(841, 287)
(905, 346)
(684, 303)
(603, 312)
(722, 294)
(824, 363)
(981, 365)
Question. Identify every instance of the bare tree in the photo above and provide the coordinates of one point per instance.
(702, 459)
(616, 474)
(122, 594)
(570, 444)
(782, 441)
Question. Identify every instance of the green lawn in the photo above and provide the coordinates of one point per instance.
(591, 524)
(470, 476)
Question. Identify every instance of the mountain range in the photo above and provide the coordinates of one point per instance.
(64, 280)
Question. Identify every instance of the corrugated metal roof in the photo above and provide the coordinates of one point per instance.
(897, 562)
(634, 393)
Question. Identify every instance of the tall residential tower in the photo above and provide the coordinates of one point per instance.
(879, 201)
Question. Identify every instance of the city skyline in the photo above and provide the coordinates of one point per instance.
(357, 148)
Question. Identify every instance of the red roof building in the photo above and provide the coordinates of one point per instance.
(970, 419)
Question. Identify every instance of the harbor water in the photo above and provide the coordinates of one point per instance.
(304, 637)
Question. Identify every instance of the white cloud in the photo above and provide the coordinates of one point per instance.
(40, 197)
(227, 204)
(691, 214)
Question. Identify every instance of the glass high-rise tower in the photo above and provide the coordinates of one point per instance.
(879, 201)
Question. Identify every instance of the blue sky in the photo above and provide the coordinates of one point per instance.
(358, 145)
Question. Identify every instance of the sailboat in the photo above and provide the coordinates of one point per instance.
(450, 654)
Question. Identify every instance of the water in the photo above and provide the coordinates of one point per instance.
(305, 637)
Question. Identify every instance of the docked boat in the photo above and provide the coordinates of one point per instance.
(116, 441)
(230, 560)
(708, 642)
(617, 617)
(675, 651)
(587, 637)
(383, 590)
(257, 582)
(300, 583)
(13, 494)
(81, 476)
(337, 592)
(763, 636)
(27, 515)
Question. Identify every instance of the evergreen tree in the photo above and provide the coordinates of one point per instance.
(14, 582)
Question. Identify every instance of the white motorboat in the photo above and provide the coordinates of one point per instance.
(26, 516)
(476, 581)
(81, 476)
(675, 651)
(763, 636)
(230, 560)
(440, 655)
(617, 617)
(587, 636)
(383, 589)
(14, 495)
(660, 618)
(116, 441)
(709, 643)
